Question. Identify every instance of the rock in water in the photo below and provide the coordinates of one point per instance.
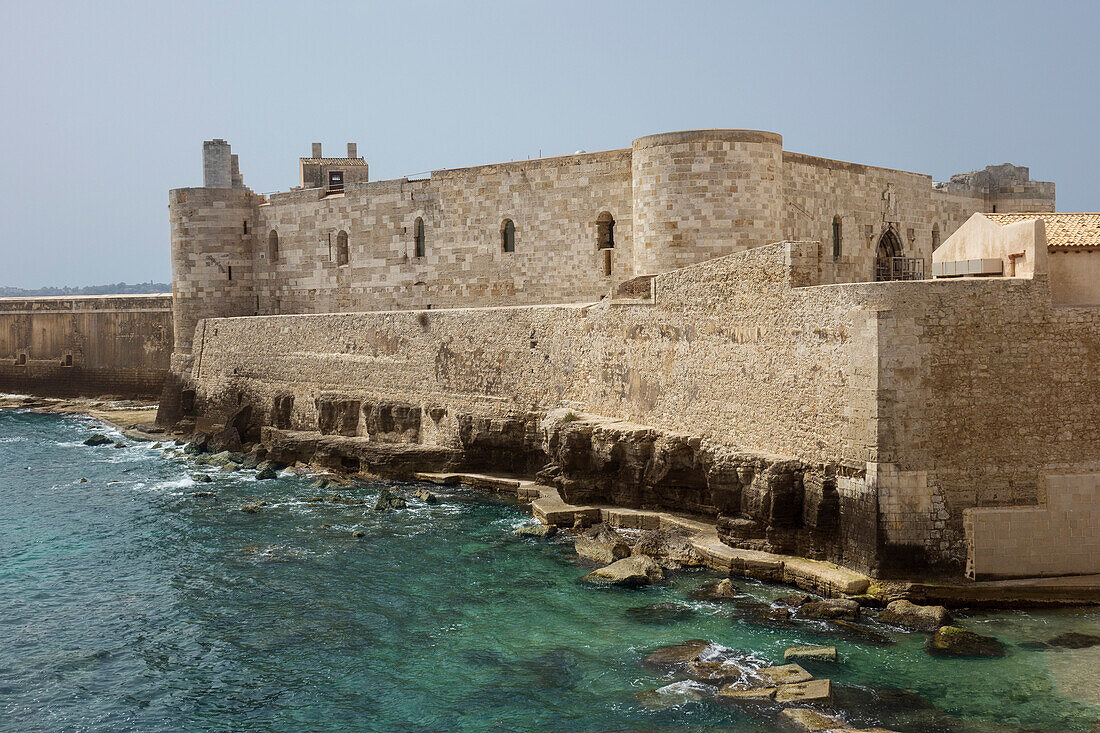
(805, 720)
(809, 654)
(266, 472)
(429, 498)
(601, 544)
(358, 533)
(253, 507)
(670, 696)
(723, 590)
(630, 572)
(951, 641)
(911, 616)
(1069, 640)
(795, 600)
(677, 654)
(537, 530)
(98, 439)
(670, 549)
(830, 608)
(201, 478)
(204, 494)
(389, 501)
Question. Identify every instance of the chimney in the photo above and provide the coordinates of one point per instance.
(352, 153)
(316, 150)
(217, 166)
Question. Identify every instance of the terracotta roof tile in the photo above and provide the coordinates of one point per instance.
(1064, 230)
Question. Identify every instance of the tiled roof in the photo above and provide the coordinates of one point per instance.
(1064, 231)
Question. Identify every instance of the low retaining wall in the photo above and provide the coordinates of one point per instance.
(87, 346)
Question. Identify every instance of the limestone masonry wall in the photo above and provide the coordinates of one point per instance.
(85, 346)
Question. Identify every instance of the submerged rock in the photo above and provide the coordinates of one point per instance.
(389, 501)
(831, 608)
(805, 720)
(630, 572)
(1070, 640)
(357, 533)
(860, 634)
(951, 641)
(253, 507)
(429, 498)
(660, 613)
(677, 654)
(204, 494)
(602, 544)
(784, 674)
(911, 616)
(98, 439)
(718, 671)
(672, 695)
(536, 530)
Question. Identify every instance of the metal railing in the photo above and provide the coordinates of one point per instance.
(899, 268)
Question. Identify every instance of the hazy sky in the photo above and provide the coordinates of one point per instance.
(107, 104)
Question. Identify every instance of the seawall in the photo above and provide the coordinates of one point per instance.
(86, 346)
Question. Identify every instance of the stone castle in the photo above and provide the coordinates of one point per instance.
(829, 359)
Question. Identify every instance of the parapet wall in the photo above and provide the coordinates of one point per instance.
(86, 346)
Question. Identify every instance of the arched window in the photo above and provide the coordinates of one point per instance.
(508, 236)
(935, 237)
(418, 237)
(273, 246)
(837, 237)
(342, 248)
(605, 230)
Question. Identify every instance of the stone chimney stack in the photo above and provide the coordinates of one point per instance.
(352, 152)
(316, 150)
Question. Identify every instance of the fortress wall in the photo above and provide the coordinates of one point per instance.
(985, 388)
(119, 345)
(553, 202)
(728, 351)
(816, 190)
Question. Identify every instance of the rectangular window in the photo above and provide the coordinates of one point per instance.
(335, 181)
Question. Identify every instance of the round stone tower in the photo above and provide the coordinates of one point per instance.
(701, 194)
(212, 246)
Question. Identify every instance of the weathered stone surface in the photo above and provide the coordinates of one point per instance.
(203, 494)
(629, 572)
(718, 671)
(809, 654)
(738, 693)
(670, 549)
(253, 507)
(951, 641)
(429, 498)
(537, 530)
(812, 691)
(602, 544)
(911, 616)
(98, 439)
(266, 472)
(226, 439)
(830, 608)
(201, 478)
(784, 674)
(806, 720)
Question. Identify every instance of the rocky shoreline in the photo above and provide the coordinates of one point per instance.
(629, 549)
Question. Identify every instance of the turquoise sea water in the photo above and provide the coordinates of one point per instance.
(128, 604)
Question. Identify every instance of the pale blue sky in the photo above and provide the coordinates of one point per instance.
(107, 104)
